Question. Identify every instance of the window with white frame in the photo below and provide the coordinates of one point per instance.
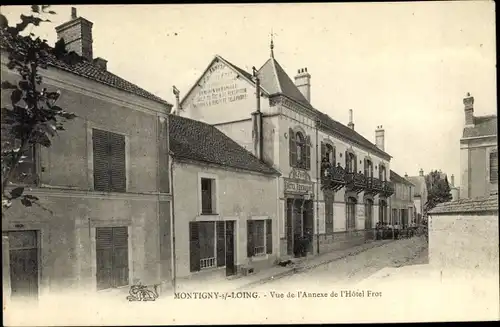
(208, 196)
(259, 237)
(351, 213)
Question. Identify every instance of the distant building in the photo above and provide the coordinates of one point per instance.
(420, 194)
(225, 207)
(455, 191)
(478, 153)
(401, 203)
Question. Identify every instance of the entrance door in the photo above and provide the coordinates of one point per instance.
(369, 220)
(289, 226)
(230, 255)
(308, 217)
(24, 265)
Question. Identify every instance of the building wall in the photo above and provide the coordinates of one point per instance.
(403, 199)
(74, 209)
(240, 196)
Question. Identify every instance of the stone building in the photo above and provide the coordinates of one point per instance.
(103, 184)
(224, 207)
(478, 153)
(420, 194)
(334, 184)
(401, 203)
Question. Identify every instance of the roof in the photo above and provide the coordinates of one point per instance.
(198, 141)
(483, 126)
(474, 205)
(90, 71)
(398, 179)
(420, 184)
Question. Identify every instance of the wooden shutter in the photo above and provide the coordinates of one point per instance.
(367, 174)
(120, 256)
(194, 247)
(117, 162)
(269, 236)
(250, 240)
(334, 157)
(346, 157)
(355, 163)
(328, 212)
(323, 150)
(292, 148)
(101, 155)
(494, 167)
(308, 152)
(221, 243)
(104, 257)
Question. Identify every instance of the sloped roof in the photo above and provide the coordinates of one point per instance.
(195, 140)
(398, 179)
(483, 126)
(420, 185)
(90, 71)
(474, 205)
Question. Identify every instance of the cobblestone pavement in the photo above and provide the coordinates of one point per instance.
(352, 269)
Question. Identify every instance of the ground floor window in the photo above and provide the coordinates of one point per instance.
(259, 237)
(351, 213)
(382, 211)
(112, 257)
(207, 247)
(394, 216)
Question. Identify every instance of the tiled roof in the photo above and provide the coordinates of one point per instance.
(398, 179)
(88, 70)
(419, 182)
(195, 140)
(484, 204)
(483, 126)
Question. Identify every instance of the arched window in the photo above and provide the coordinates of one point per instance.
(382, 174)
(368, 214)
(382, 213)
(300, 150)
(300, 146)
(351, 213)
(368, 168)
(328, 154)
(350, 162)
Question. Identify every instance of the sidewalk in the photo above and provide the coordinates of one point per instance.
(276, 272)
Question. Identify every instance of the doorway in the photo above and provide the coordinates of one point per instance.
(24, 265)
(230, 255)
(369, 220)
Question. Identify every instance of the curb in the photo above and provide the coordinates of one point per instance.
(298, 270)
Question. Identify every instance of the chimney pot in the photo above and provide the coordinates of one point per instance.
(303, 83)
(73, 13)
(101, 63)
(469, 109)
(421, 172)
(380, 138)
(306, 69)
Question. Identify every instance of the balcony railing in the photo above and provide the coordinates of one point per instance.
(373, 185)
(387, 188)
(332, 177)
(355, 182)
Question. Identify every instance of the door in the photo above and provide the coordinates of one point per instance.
(24, 265)
(230, 255)
(289, 226)
(308, 216)
(369, 220)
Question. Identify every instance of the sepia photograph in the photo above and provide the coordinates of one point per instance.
(270, 163)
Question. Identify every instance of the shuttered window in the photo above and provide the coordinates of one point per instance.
(292, 148)
(207, 245)
(109, 161)
(328, 212)
(269, 236)
(112, 257)
(494, 167)
(307, 156)
(207, 196)
(259, 237)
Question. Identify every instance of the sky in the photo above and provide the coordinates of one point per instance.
(405, 66)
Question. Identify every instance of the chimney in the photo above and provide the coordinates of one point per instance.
(421, 172)
(257, 135)
(406, 175)
(77, 35)
(177, 109)
(380, 138)
(303, 83)
(469, 110)
(351, 124)
(452, 180)
(101, 63)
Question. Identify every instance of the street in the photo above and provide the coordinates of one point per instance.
(353, 269)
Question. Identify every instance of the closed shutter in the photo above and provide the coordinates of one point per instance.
(117, 162)
(367, 173)
(120, 256)
(347, 164)
(494, 167)
(334, 157)
(221, 243)
(269, 236)
(104, 257)
(101, 153)
(292, 148)
(308, 153)
(323, 151)
(355, 163)
(194, 247)
(329, 212)
(250, 240)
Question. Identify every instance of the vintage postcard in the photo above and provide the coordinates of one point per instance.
(249, 163)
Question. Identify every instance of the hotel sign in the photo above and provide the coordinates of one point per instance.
(298, 182)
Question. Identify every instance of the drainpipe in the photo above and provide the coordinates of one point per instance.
(318, 180)
(172, 230)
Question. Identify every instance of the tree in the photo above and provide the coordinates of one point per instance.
(33, 118)
(438, 189)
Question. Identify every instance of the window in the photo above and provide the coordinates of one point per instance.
(328, 212)
(368, 168)
(328, 154)
(207, 245)
(382, 211)
(395, 216)
(109, 161)
(112, 257)
(300, 150)
(350, 162)
(259, 237)
(382, 173)
(494, 167)
(208, 196)
(351, 213)
(25, 172)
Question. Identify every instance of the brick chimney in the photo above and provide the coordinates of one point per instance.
(303, 83)
(421, 172)
(351, 123)
(380, 138)
(469, 110)
(101, 63)
(77, 35)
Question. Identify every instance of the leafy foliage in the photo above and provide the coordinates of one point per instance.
(438, 189)
(33, 118)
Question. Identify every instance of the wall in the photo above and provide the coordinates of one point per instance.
(241, 196)
(458, 241)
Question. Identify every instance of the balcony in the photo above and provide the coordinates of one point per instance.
(373, 186)
(332, 177)
(387, 189)
(355, 182)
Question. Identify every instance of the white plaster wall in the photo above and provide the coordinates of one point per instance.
(339, 217)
